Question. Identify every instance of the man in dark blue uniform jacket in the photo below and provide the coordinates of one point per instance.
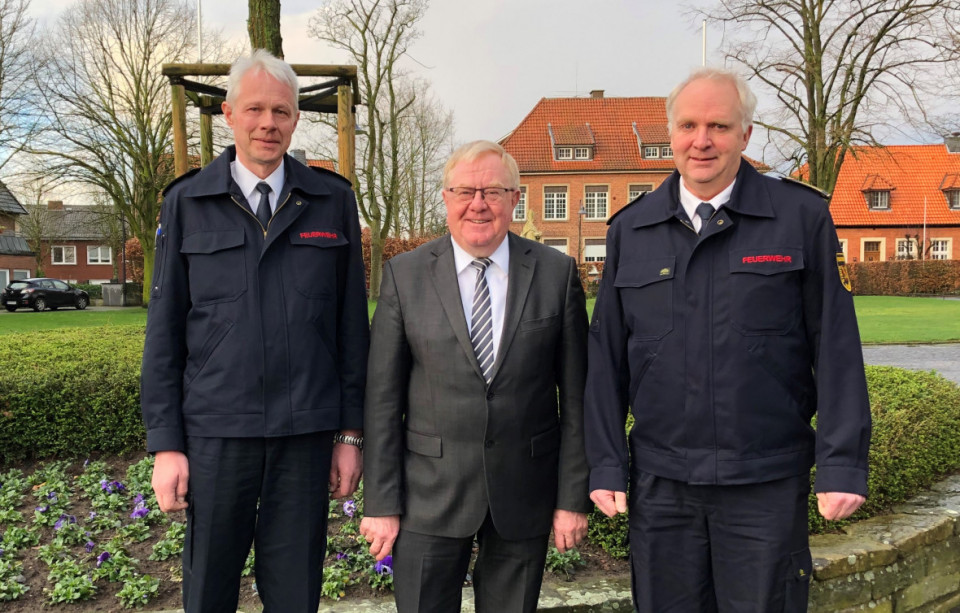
(724, 321)
(255, 357)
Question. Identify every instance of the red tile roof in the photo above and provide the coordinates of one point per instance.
(913, 173)
(611, 125)
(615, 125)
(327, 164)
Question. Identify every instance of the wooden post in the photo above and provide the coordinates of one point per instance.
(206, 133)
(346, 133)
(179, 110)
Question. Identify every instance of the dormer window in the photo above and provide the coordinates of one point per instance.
(581, 153)
(953, 198)
(652, 152)
(564, 153)
(878, 200)
(666, 153)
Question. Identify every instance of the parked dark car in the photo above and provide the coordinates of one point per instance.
(43, 294)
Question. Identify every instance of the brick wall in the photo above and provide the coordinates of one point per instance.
(856, 240)
(81, 272)
(569, 228)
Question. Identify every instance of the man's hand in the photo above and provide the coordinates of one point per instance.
(569, 528)
(609, 502)
(171, 475)
(381, 533)
(346, 467)
(838, 505)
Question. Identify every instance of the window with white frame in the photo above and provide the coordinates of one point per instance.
(595, 201)
(634, 190)
(560, 244)
(554, 202)
(594, 249)
(879, 200)
(843, 247)
(940, 249)
(651, 152)
(564, 153)
(520, 211)
(63, 254)
(953, 198)
(666, 152)
(907, 249)
(99, 254)
(581, 153)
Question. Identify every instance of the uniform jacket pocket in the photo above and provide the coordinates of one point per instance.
(646, 295)
(765, 289)
(217, 265)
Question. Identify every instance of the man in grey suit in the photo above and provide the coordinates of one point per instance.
(474, 404)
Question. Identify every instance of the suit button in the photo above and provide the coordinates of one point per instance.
(488, 444)
(489, 395)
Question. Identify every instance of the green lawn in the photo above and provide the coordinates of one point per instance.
(882, 319)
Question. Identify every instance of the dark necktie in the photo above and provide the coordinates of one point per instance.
(481, 320)
(705, 211)
(263, 209)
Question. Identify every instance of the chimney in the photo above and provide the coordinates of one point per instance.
(952, 142)
(596, 93)
(55, 205)
(299, 155)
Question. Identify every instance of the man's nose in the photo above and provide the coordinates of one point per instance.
(701, 138)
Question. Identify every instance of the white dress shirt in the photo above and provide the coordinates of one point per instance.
(496, 275)
(690, 202)
(247, 182)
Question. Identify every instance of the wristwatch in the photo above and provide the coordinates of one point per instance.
(356, 441)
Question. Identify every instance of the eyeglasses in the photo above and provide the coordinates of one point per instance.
(490, 195)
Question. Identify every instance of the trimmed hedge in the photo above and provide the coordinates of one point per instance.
(66, 393)
(905, 277)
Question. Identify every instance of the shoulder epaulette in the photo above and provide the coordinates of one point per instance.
(812, 188)
(189, 173)
(331, 173)
(625, 207)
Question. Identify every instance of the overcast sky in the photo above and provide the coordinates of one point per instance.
(490, 61)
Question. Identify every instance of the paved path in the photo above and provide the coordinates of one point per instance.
(945, 359)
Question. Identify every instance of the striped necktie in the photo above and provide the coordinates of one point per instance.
(481, 320)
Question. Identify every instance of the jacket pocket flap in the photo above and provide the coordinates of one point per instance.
(211, 241)
(319, 237)
(534, 324)
(424, 444)
(545, 442)
(766, 260)
(638, 274)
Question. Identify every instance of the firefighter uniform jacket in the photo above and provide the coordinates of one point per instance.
(255, 332)
(725, 344)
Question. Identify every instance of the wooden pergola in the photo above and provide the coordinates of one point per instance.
(339, 95)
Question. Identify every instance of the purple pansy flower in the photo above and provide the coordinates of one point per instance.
(103, 557)
(52, 496)
(384, 566)
(92, 515)
(43, 509)
(89, 546)
(140, 510)
(350, 508)
(342, 556)
(64, 519)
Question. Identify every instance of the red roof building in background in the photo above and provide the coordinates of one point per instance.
(899, 202)
(583, 159)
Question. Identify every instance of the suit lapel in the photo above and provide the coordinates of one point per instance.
(444, 275)
(519, 280)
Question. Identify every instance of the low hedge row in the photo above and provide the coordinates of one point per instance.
(67, 393)
(905, 277)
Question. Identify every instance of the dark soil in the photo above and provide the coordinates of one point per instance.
(597, 562)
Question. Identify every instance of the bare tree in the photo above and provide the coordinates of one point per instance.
(107, 102)
(839, 69)
(426, 134)
(375, 34)
(18, 119)
(38, 226)
(263, 26)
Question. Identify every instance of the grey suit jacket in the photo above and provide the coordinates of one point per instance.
(441, 446)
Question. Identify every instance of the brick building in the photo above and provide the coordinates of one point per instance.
(76, 245)
(583, 159)
(889, 202)
(16, 258)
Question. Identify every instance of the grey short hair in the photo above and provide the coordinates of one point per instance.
(262, 61)
(748, 101)
(475, 150)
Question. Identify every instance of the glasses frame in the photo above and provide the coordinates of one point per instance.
(482, 190)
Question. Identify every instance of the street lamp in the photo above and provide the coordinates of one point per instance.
(582, 213)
